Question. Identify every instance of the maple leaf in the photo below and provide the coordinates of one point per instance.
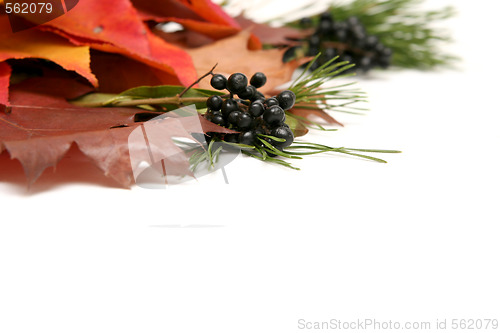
(232, 55)
(41, 128)
(90, 23)
(43, 45)
(117, 73)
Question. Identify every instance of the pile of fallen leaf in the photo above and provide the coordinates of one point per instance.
(110, 46)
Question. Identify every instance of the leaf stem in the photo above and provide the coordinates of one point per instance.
(176, 100)
(197, 81)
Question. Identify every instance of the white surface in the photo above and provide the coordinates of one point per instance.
(412, 240)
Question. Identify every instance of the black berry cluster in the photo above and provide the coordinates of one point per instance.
(348, 40)
(247, 111)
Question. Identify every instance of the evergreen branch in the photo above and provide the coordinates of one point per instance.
(400, 26)
(309, 87)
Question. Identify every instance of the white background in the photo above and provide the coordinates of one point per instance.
(416, 239)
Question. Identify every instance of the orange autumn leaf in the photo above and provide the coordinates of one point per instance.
(90, 23)
(44, 45)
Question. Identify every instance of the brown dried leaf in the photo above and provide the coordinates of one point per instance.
(232, 55)
(312, 112)
(277, 36)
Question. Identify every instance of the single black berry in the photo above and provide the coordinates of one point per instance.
(218, 81)
(325, 28)
(353, 21)
(340, 31)
(258, 80)
(282, 132)
(371, 42)
(219, 120)
(247, 138)
(329, 54)
(347, 57)
(214, 102)
(286, 99)
(244, 121)
(271, 101)
(274, 115)
(237, 82)
(305, 22)
(386, 52)
(256, 109)
(326, 16)
(247, 93)
(315, 41)
(234, 116)
(228, 106)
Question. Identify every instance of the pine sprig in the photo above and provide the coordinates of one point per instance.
(311, 87)
(402, 27)
(268, 153)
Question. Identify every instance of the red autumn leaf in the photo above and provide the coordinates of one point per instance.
(240, 59)
(160, 9)
(117, 73)
(198, 10)
(165, 57)
(115, 26)
(212, 30)
(112, 21)
(58, 84)
(201, 16)
(161, 53)
(4, 84)
(41, 129)
(186, 39)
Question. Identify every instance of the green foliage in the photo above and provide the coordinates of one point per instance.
(311, 87)
(166, 96)
(401, 26)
